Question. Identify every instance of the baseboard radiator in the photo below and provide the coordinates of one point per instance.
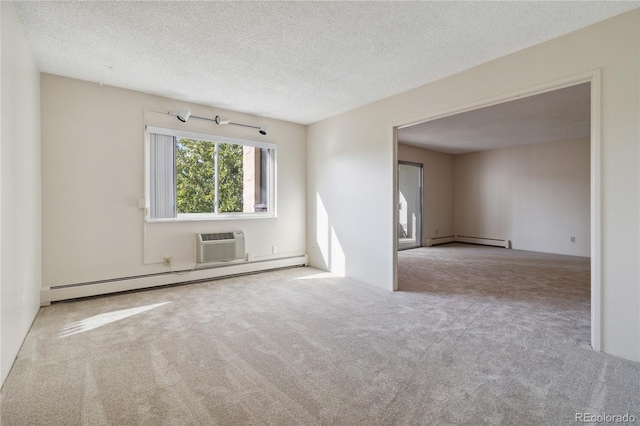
(205, 273)
(440, 240)
(469, 240)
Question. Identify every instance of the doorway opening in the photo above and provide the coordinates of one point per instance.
(467, 212)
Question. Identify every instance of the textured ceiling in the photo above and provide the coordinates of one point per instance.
(549, 117)
(296, 61)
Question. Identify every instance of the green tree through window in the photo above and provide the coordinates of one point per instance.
(230, 184)
(195, 177)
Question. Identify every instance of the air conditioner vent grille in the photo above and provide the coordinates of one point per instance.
(219, 236)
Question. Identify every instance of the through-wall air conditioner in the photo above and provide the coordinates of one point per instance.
(220, 247)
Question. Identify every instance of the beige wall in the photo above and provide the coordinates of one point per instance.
(351, 163)
(437, 169)
(93, 175)
(537, 196)
(19, 188)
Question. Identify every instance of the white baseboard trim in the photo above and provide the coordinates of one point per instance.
(483, 241)
(440, 240)
(96, 288)
(470, 240)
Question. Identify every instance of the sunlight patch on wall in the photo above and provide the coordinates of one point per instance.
(322, 231)
(333, 256)
(338, 260)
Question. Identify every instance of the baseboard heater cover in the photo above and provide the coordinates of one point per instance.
(483, 241)
(440, 240)
(469, 240)
(116, 285)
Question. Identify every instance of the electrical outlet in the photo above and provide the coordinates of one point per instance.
(573, 239)
(274, 249)
(167, 261)
(436, 232)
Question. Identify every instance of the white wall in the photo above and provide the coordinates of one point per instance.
(93, 175)
(437, 168)
(351, 162)
(19, 188)
(349, 182)
(537, 196)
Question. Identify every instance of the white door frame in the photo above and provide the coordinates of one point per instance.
(593, 77)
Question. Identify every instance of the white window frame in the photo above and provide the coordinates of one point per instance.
(185, 217)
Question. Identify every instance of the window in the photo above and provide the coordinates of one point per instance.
(204, 176)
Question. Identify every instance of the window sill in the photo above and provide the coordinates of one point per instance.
(213, 218)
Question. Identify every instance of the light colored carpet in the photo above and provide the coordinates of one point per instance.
(478, 335)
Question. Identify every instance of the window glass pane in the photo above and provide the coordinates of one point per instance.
(195, 176)
(190, 165)
(255, 166)
(230, 183)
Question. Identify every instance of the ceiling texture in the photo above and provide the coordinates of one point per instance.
(295, 61)
(554, 116)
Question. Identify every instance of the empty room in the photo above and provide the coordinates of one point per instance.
(201, 206)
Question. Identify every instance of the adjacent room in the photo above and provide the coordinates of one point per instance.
(202, 206)
(515, 175)
(499, 192)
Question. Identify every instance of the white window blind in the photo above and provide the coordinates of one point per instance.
(162, 188)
